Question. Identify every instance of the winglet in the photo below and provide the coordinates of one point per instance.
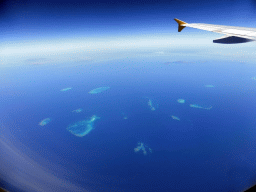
(181, 24)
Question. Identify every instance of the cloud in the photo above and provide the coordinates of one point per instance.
(176, 62)
(37, 61)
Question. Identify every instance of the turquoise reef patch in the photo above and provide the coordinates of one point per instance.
(66, 89)
(143, 148)
(82, 128)
(45, 122)
(98, 90)
(181, 101)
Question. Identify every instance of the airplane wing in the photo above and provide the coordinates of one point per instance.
(232, 34)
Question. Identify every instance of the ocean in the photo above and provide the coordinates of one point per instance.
(208, 149)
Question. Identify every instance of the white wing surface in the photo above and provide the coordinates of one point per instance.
(232, 34)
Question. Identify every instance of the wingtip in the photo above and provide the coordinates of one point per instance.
(181, 24)
(179, 21)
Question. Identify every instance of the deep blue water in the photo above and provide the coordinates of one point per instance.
(207, 150)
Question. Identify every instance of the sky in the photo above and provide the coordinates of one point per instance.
(32, 26)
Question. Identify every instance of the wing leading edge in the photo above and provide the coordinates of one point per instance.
(232, 34)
